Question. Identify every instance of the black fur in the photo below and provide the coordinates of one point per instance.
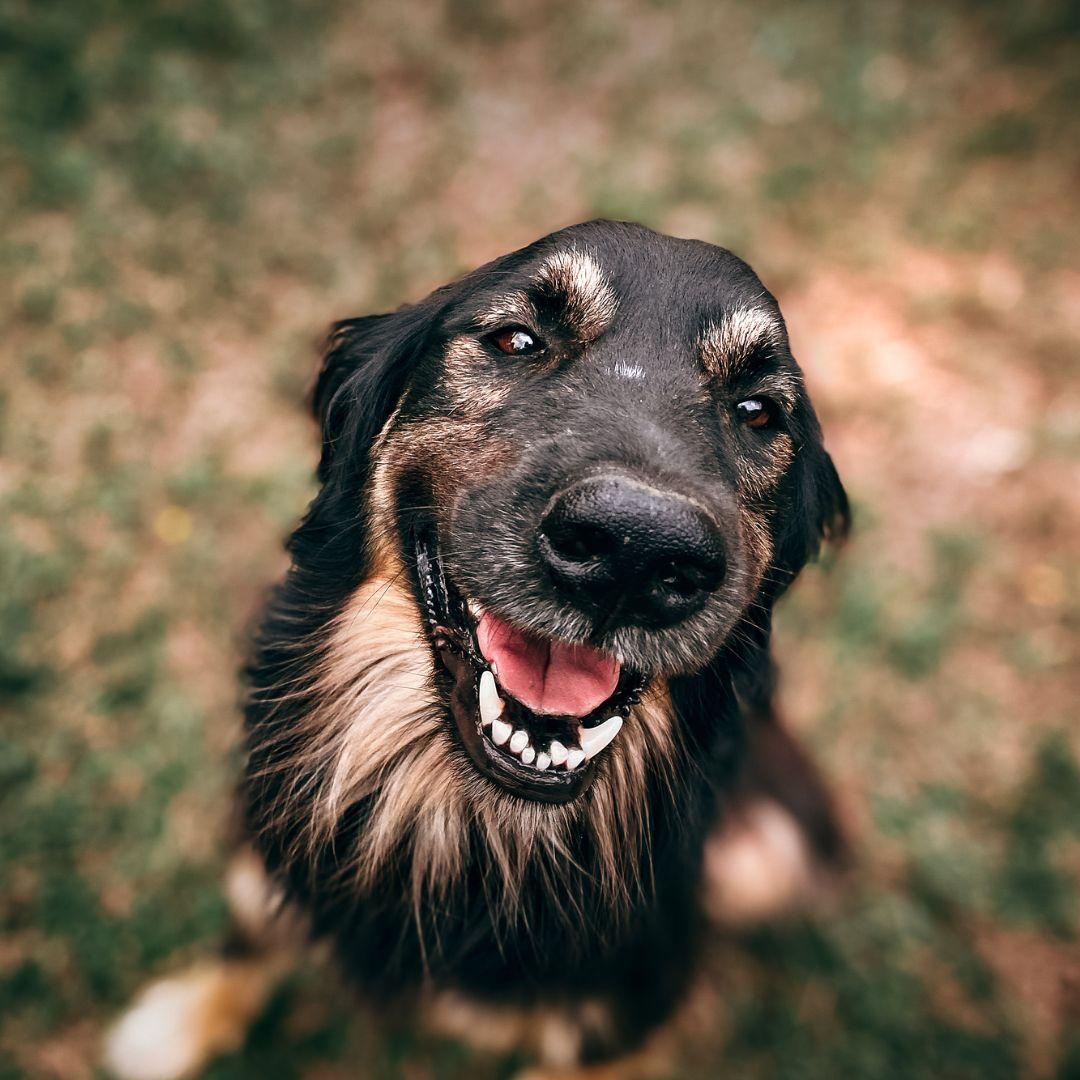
(639, 961)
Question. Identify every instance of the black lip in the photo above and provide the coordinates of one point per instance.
(458, 678)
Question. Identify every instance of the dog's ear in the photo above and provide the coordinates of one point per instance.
(816, 508)
(365, 373)
(366, 365)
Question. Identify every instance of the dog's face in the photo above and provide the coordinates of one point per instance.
(596, 464)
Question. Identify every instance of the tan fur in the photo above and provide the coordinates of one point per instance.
(232, 994)
(506, 310)
(382, 539)
(759, 548)
(725, 348)
(553, 1035)
(643, 1066)
(258, 908)
(574, 274)
(177, 1025)
(451, 451)
(379, 731)
(758, 476)
(728, 344)
(466, 380)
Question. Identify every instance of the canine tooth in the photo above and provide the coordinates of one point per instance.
(491, 705)
(528, 755)
(574, 758)
(558, 752)
(475, 610)
(519, 740)
(500, 732)
(593, 740)
(542, 761)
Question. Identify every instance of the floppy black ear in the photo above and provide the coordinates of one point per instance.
(366, 365)
(816, 510)
(365, 373)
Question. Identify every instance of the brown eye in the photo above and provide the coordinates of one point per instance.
(755, 412)
(515, 341)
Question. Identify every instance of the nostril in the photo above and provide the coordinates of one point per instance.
(683, 580)
(578, 541)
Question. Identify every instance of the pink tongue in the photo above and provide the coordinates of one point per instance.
(547, 676)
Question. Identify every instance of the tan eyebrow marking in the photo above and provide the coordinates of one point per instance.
(575, 275)
(512, 307)
(726, 345)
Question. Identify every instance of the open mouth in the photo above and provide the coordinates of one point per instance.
(535, 714)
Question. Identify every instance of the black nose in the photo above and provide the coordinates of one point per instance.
(617, 546)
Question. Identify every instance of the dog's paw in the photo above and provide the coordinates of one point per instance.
(759, 866)
(634, 1068)
(177, 1025)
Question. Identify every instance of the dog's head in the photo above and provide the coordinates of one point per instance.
(596, 466)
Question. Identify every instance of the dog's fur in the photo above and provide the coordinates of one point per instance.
(426, 876)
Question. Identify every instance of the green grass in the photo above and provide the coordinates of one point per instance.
(191, 193)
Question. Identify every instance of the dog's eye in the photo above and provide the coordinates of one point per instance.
(755, 412)
(516, 341)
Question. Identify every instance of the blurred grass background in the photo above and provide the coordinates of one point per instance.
(192, 191)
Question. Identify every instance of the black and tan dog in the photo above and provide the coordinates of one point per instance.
(519, 668)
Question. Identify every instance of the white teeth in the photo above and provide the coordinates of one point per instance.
(593, 740)
(475, 610)
(491, 705)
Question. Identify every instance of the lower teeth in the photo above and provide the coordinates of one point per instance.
(556, 754)
(516, 742)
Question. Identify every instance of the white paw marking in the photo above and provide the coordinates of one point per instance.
(177, 1025)
(758, 866)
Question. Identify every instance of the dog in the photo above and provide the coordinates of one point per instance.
(510, 741)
